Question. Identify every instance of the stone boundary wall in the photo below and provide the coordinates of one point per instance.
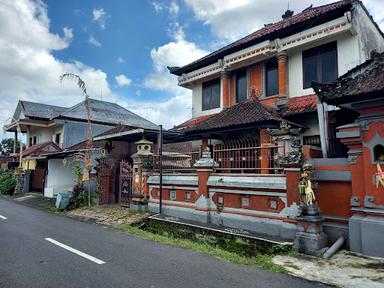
(256, 203)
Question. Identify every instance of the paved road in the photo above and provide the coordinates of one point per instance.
(38, 249)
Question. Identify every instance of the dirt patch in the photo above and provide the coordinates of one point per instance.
(108, 214)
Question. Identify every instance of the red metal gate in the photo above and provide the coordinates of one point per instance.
(126, 184)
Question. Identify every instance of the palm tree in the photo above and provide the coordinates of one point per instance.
(86, 157)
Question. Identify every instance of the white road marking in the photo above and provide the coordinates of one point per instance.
(3, 217)
(73, 250)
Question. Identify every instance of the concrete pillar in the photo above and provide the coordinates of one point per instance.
(322, 128)
(15, 142)
(264, 151)
(204, 167)
(292, 173)
(225, 89)
(282, 71)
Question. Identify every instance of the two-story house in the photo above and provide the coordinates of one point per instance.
(238, 89)
(51, 129)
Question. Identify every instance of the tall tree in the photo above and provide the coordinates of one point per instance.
(6, 146)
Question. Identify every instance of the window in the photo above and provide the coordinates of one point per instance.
(188, 196)
(378, 152)
(30, 141)
(211, 94)
(241, 86)
(57, 138)
(271, 78)
(34, 140)
(320, 64)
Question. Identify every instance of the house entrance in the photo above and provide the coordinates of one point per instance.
(125, 183)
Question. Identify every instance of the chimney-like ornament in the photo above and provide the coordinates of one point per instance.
(287, 14)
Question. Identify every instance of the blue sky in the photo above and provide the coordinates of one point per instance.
(121, 48)
(126, 37)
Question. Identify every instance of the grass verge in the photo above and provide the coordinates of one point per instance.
(263, 261)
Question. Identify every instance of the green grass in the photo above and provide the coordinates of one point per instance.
(263, 261)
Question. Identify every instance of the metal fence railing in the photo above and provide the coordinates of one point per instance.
(245, 156)
(234, 156)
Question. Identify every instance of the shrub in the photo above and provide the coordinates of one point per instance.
(79, 197)
(7, 182)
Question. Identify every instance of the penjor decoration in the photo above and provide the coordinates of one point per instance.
(379, 176)
(305, 184)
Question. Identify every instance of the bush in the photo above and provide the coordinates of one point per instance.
(7, 182)
(79, 197)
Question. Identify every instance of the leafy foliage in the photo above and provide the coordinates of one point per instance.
(79, 197)
(7, 182)
(6, 146)
(78, 173)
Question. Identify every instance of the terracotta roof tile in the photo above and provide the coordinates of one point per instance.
(299, 105)
(365, 81)
(296, 23)
(41, 149)
(247, 112)
(191, 122)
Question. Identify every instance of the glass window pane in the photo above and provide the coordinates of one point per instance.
(328, 66)
(215, 101)
(241, 86)
(211, 95)
(272, 79)
(310, 70)
(206, 97)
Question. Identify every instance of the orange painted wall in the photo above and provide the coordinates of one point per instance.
(256, 202)
(232, 91)
(256, 80)
(270, 101)
(180, 195)
(334, 198)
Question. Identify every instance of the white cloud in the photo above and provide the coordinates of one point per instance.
(175, 53)
(28, 69)
(174, 8)
(169, 113)
(376, 9)
(120, 60)
(92, 40)
(100, 17)
(231, 20)
(157, 6)
(123, 80)
(68, 34)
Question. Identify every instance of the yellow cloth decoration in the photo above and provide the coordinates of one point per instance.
(379, 176)
(29, 165)
(309, 193)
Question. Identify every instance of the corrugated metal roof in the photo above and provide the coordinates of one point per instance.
(108, 112)
(38, 110)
